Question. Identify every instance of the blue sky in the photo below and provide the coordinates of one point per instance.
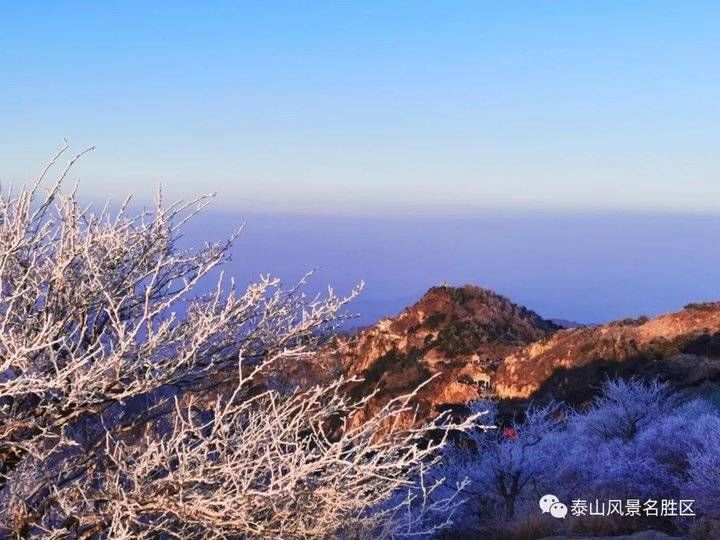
(372, 108)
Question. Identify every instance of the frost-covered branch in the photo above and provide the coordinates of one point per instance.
(133, 402)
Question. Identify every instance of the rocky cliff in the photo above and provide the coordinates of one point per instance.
(682, 347)
(470, 343)
(455, 338)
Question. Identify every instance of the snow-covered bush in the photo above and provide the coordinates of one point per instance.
(704, 470)
(636, 440)
(514, 460)
(132, 405)
(499, 469)
(624, 408)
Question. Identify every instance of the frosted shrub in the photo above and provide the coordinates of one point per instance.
(704, 470)
(633, 442)
(636, 440)
(624, 408)
(513, 461)
(133, 405)
(502, 466)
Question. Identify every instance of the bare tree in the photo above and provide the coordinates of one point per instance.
(133, 405)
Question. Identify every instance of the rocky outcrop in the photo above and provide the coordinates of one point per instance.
(683, 347)
(452, 341)
(467, 343)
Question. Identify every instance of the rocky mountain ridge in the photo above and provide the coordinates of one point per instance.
(452, 340)
(466, 343)
(682, 347)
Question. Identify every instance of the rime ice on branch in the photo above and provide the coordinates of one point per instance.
(108, 353)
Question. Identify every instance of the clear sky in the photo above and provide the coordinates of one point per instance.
(355, 108)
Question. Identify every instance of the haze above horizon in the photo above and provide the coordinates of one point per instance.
(372, 108)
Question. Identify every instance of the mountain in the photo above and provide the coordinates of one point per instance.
(564, 323)
(466, 343)
(453, 337)
(681, 347)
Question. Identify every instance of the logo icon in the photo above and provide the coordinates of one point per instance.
(551, 504)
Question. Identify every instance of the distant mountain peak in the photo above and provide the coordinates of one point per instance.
(564, 323)
(475, 343)
(469, 319)
(455, 335)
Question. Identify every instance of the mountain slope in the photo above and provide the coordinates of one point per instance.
(466, 343)
(455, 336)
(682, 347)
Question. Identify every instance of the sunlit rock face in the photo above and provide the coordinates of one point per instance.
(682, 347)
(465, 343)
(452, 341)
